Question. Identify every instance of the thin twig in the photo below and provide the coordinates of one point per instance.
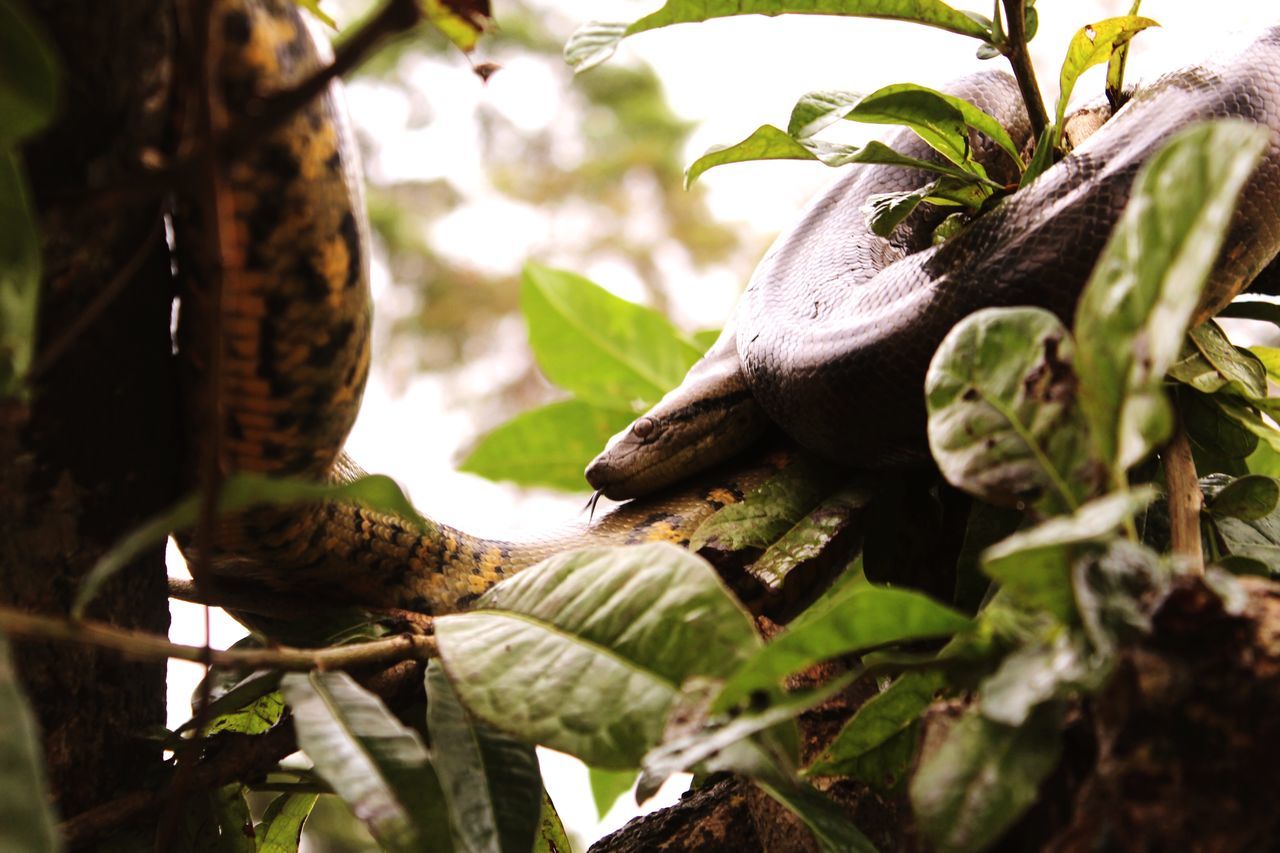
(1185, 500)
(19, 624)
(1020, 58)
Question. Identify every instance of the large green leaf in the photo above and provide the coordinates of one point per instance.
(491, 781)
(28, 77)
(770, 143)
(26, 822)
(1244, 370)
(548, 446)
(378, 766)
(603, 349)
(860, 618)
(596, 42)
(880, 719)
(1093, 44)
(608, 786)
(19, 273)
(239, 492)
(1003, 420)
(586, 651)
(280, 829)
(983, 777)
(1134, 311)
(1035, 565)
(810, 537)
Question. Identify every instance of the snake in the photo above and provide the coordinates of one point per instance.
(832, 339)
(829, 343)
(292, 357)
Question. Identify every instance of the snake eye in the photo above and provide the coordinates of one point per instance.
(645, 429)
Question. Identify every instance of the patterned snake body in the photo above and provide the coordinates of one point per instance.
(294, 353)
(834, 335)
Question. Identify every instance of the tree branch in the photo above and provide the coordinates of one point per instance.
(1020, 59)
(1185, 499)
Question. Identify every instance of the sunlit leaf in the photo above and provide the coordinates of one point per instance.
(551, 835)
(26, 820)
(548, 446)
(983, 778)
(491, 781)
(280, 829)
(1134, 311)
(1092, 45)
(607, 786)
(378, 766)
(596, 42)
(603, 349)
(1004, 423)
(585, 652)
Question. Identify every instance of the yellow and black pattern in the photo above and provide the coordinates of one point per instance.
(295, 356)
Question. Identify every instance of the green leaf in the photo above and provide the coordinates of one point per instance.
(607, 786)
(253, 717)
(605, 350)
(809, 538)
(861, 618)
(1035, 565)
(770, 143)
(376, 765)
(1035, 674)
(880, 719)
(1247, 498)
(585, 652)
(551, 835)
(491, 782)
(1134, 311)
(28, 79)
(240, 492)
(1092, 45)
(1115, 68)
(1215, 432)
(1193, 369)
(26, 820)
(1041, 157)
(596, 42)
(19, 269)
(1248, 418)
(280, 830)
(983, 777)
(313, 7)
(1003, 419)
(1114, 591)
(1244, 370)
(218, 821)
(1270, 358)
(830, 825)
(549, 446)
(461, 23)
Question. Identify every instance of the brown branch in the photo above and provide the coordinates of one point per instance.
(19, 624)
(1185, 499)
(1020, 58)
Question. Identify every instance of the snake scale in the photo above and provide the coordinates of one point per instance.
(294, 351)
(830, 342)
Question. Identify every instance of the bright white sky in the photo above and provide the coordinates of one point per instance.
(729, 76)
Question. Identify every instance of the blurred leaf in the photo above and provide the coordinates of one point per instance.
(863, 617)
(1115, 591)
(586, 651)
(1247, 498)
(281, 827)
(596, 42)
(313, 6)
(491, 782)
(809, 538)
(26, 820)
(770, 143)
(549, 446)
(607, 786)
(606, 350)
(19, 268)
(28, 80)
(1134, 311)
(1092, 45)
(1037, 673)
(461, 21)
(1264, 460)
(1035, 564)
(1003, 420)
(768, 511)
(373, 762)
(239, 492)
(983, 777)
(880, 719)
(1244, 370)
(1270, 358)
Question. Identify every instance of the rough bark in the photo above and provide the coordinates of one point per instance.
(92, 452)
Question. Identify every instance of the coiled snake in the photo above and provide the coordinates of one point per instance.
(815, 360)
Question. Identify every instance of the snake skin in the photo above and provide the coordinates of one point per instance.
(837, 327)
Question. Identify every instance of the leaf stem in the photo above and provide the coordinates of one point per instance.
(1185, 500)
(19, 624)
(1015, 49)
